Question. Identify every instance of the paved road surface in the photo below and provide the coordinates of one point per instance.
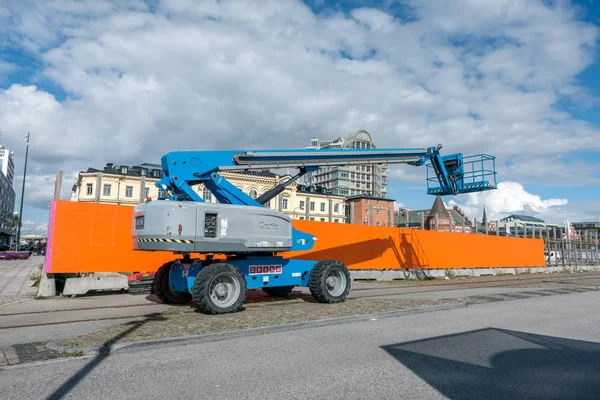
(544, 347)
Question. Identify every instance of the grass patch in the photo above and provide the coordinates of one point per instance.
(36, 277)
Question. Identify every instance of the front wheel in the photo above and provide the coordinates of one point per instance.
(329, 281)
(219, 289)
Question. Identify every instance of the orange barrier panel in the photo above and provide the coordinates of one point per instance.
(368, 247)
(89, 237)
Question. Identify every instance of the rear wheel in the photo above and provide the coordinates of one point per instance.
(219, 289)
(162, 289)
(281, 291)
(329, 281)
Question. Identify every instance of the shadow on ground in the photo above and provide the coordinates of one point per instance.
(104, 352)
(503, 364)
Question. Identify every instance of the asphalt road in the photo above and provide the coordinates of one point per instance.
(533, 348)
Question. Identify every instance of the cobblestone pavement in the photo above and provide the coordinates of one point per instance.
(15, 279)
(15, 276)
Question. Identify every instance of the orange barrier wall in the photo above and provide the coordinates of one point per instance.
(88, 237)
(367, 247)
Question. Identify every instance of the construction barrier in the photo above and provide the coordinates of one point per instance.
(91, 237)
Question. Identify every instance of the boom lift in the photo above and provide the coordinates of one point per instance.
(247, 237)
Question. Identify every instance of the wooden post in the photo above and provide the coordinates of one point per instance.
(58, 185)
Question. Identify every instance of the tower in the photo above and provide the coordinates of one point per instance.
(443, 216)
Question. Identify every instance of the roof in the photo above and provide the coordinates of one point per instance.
(134, 170)
(315, 189)
(414, 217)
(265, 173)
(367, 197)
(438, 208)
(361, 134)
(522, 218)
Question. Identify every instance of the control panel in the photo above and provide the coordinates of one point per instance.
(210, 225)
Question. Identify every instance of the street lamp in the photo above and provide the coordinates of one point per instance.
(22, 194)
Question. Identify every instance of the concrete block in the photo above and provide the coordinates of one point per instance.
(82, 285)
(47, 286)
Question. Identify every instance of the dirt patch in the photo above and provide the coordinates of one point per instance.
(183, 321)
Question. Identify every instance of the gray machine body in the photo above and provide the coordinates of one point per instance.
(187, 226)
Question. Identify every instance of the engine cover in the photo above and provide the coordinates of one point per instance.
(189, 226)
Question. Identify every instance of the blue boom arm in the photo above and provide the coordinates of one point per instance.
(182, 169)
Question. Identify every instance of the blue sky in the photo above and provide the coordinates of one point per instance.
(126, 81)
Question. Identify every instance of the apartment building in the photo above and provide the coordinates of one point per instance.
(131, 185)
(351, 180)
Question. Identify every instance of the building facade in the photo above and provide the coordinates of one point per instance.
(7, 164)
(8, 220)
(131, 185)
(370, 210)
(351, 180)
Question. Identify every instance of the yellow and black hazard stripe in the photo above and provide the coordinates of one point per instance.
(164, 240)
(472, 186)
(480, 185)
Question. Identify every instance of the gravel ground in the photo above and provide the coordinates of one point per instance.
(184, 321)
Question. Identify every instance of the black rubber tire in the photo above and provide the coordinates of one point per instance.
(317, 282)
(205, 282)
(162, 290)
(281, 291)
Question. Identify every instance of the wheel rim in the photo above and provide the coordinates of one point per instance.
(225, 290)
(335, 282)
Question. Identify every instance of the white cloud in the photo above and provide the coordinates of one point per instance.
(509, 198)
(42, 228)
(230, 74)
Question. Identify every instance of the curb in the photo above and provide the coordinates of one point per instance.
(220, 336)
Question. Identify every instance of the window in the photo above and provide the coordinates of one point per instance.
(323, 207)
(312, 218)
(106, 190)
(302, 204)
(123, 170)
(207, 195)
(302, 218)
(252, 193)
(129, 191)
(147, 193)
(322, 219)
(285, 204)
(312, 206)
(336, 220)
(90, 189)
(336, 208)
(144, 172)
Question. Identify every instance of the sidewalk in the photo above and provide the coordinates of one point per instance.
(15, 281)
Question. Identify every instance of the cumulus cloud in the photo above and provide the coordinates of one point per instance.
(140, 81)
(509, 198)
